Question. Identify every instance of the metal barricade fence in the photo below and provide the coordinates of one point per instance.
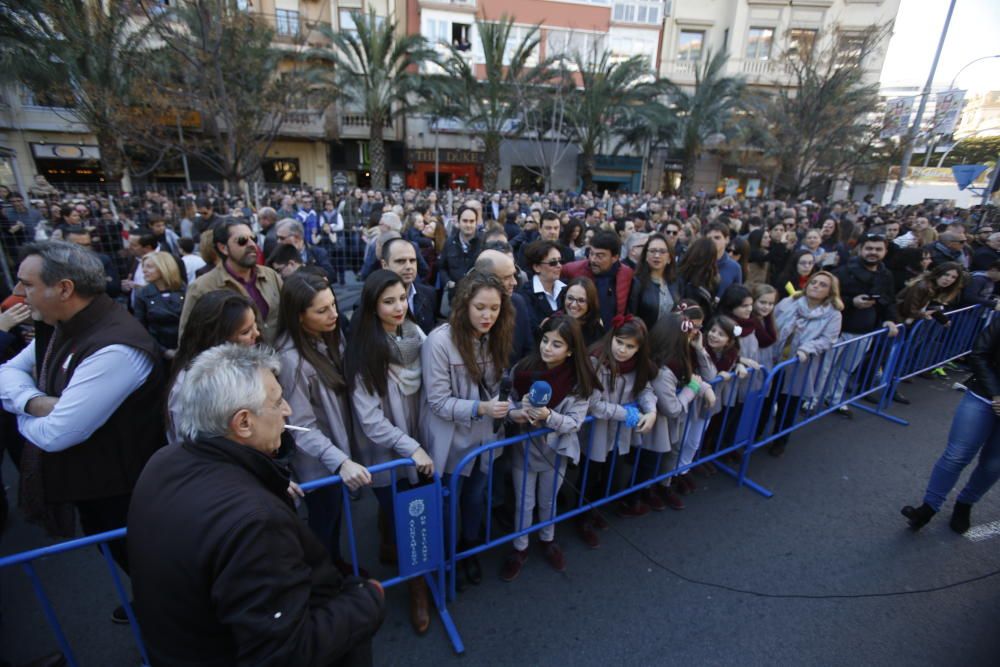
(928, 344)
(418, 516)
(728, 413)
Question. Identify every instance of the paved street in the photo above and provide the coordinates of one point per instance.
(833, 528)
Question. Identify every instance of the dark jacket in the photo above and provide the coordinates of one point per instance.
(614, 299)
(940, 253)
(524, 332)
(644, 300)
(160, 313)
(984, 360)
(320, 258)
(982, 257)
(980, 290)
(225, 573)
(109, 462)
(424, 300)
(538, 304)
(454, 262)
(856, 280)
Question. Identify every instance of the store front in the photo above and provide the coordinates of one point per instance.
(68, 163)
(616, 173)
(456, 168)
(349, 159)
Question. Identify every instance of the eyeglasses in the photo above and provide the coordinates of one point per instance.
(552, 262)
(657, 251)
(241, 241)
(575, 299)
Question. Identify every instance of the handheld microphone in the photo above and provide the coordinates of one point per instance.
(540, 394)
(504, 394)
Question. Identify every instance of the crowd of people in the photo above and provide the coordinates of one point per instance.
(229, 325)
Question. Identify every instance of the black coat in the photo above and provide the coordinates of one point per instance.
(984, 360)
(423, 310)
(856, 280)
(160, 313)
(224, 572)
(454, 261)
(538, 305)
(524, 333)
(644, 302)
(320, 258)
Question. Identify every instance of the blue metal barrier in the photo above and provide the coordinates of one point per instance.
(928, 345)
(433, 571)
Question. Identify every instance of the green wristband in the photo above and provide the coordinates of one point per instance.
(694, 386)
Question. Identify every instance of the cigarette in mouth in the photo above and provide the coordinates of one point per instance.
(289, 427)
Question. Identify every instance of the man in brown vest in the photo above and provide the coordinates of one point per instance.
(87, 392)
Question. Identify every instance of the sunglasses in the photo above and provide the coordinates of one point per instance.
(671, 233)
(241, 241)
(552, 262)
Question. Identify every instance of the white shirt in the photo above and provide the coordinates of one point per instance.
(191, 265)
(553, 298)
(100, 384)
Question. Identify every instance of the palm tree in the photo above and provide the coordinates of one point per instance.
(87, 51)
(489, 105)
(610, 96)
(705, 112)
(378, 70)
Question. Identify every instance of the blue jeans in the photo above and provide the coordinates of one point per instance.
(973, 430)
(471, 503)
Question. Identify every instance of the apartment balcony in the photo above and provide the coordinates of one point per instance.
(292, 30)
(304, 123)
(356, 125)
(679, 71)
(454, 5)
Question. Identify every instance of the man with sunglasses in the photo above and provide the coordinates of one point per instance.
(237, 270)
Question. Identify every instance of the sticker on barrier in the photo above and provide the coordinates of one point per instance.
(419, 538)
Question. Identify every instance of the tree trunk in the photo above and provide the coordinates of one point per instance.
(687, 173)
(376, 154)
(588, 165)
(112, 156)
(491, 161)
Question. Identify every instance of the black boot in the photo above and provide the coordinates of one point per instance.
(918, 516)
(960, 517)
(470, 565)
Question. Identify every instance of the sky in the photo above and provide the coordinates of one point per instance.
(974, 32)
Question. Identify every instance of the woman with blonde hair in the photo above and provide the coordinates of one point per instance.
(808, 325)
(159, 303)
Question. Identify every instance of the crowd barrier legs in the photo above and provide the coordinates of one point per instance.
(27, 562)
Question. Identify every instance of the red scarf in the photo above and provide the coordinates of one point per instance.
(562, 379)
(765, 331)
(677, 369)
(747, 326)
(725, 361)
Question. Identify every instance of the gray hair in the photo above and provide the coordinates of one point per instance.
(634, 239)
(62, 260)
(220, 382)
(293, 226)
(267, 212)
(391, 221)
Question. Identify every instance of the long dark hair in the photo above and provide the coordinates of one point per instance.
(215, 318)
(791, 272)
(642, 270)
(501, 336)
(699, 266)
(733, 298)
(368, 349)
(671, 346)
(297, 295)
(569, 330)
(566, 237)
(635, 328)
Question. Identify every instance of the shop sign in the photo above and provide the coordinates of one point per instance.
(396, 181)
(65, 152)
(453, 155)
(753, 188)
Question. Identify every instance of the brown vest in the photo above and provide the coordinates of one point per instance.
(107, 463)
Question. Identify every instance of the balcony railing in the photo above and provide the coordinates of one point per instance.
(683, 69)
(295, 29)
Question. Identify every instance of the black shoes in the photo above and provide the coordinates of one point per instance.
(961, 518)
(918, 516)
(899, 398)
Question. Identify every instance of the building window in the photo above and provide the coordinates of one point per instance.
(514, 38)
(461, 36)
(690, 45)
(647, 12)
(759, 43)
(287, 21)
(569, 44)
(347, 20)
(851, 48)
(801, 42)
